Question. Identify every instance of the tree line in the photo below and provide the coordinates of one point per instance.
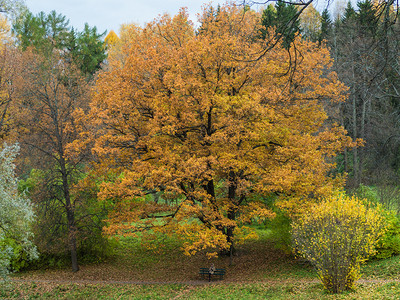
(196, 132)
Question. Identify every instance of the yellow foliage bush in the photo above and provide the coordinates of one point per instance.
(336, 236)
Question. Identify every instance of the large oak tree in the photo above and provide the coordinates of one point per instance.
(200, 118)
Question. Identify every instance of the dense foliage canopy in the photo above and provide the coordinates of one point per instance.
(199, 119)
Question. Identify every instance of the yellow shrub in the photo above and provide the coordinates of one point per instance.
(336, 236)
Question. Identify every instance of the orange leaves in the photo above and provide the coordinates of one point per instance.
(200, 238)
(200, 117)
(255, 212)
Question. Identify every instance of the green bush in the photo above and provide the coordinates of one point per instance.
(19, 258)
(50, 228)
(96, 249)
(89, 252)
(389, 244)
(368, 193)
(50, 261)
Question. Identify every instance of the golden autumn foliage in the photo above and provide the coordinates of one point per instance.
(8, 62)
(310, 23)
(205, 127)
(5, 31)
(111, 38)
(7, 73)
(337, 235)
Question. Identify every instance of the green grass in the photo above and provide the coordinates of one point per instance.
(87, 291)
(258, 272)
(290, 291)
(295, 290)
(385, 269)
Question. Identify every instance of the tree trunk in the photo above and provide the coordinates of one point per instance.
(231, 213)
(72, 240)
(355, 150)
(70, 217)
(362, 135)
(229, 235)
(345, 152)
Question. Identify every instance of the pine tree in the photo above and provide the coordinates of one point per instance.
(326, 26)
(366, 18)
(284, 17)
(349, 13)
(89, 50)
(47, 33)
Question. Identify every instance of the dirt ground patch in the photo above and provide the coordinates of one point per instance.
(254, 261)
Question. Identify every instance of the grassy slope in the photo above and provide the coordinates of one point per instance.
(257, 272)
(177, 291)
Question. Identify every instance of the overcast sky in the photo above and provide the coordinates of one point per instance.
(110, 14)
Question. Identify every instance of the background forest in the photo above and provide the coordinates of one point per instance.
(281, 123)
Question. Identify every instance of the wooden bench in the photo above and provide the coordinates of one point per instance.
(218, 272)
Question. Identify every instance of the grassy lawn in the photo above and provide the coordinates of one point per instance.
(299, 290)
(383, 269)
(258, 271)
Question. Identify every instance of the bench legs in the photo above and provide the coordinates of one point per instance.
(210, 275)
